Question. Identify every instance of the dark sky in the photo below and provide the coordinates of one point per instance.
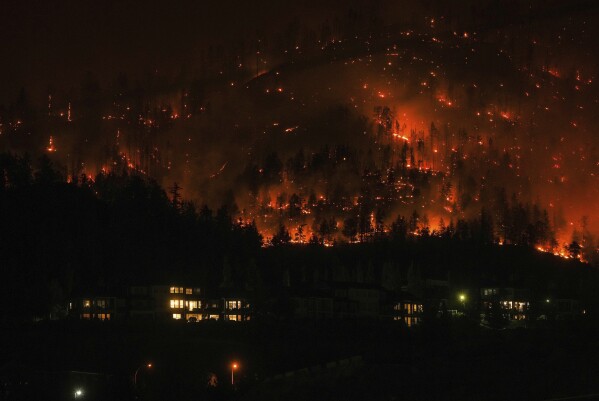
(46, 42)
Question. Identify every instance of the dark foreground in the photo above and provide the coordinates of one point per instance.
(347, 360)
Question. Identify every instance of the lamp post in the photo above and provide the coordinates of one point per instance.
(233, 369)
(149, 365)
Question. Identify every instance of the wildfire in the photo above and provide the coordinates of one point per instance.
(51, 148)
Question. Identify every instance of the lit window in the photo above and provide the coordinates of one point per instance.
(101, 303)
(232, 317)
(85, 316)
(173, 290)
(177, 303)
(87, 303)
(191, 317)
(213, 317)
(176, 316)
(193, 305)
(188, 291)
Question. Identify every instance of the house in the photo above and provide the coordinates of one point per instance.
(236, 309)
(162, 302)
(94, 308)
(318, 304)
(404, 307)
(179, 302)
(140, 303)
(568, 309)
(514, 303)
(339, 301)
(356, 300)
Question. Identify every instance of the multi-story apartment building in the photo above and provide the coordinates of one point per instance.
(162, 302)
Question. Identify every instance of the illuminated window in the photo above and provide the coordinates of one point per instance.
(193, 305)
(188, 291)
(233, 318)
(101, 303)
(173, 289)
(176, 290)
(103, 316)
(177, 303)
(87, 303)
(85, 316)
(233, 304)
(177, 316)
(213, 317)
(193, 317)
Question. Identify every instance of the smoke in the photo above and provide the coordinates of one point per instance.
(482, 102)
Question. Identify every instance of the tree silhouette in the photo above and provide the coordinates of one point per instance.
(281, 237)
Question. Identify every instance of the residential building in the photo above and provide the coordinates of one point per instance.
(514, 303)
(163, 302)
(404, 307)
(94, 308)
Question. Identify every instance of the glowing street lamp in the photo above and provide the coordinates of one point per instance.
(462, 298)
(149, 365)
(78, 393)
(234, 367)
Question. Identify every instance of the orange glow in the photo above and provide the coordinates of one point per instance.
(51, 147)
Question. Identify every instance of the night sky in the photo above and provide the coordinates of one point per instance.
(54, 44)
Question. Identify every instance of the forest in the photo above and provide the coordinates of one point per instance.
(118, 229)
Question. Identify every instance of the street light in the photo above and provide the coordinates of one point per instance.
(149, 365)
(462, 298)
(78, 393)
(234, 367)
